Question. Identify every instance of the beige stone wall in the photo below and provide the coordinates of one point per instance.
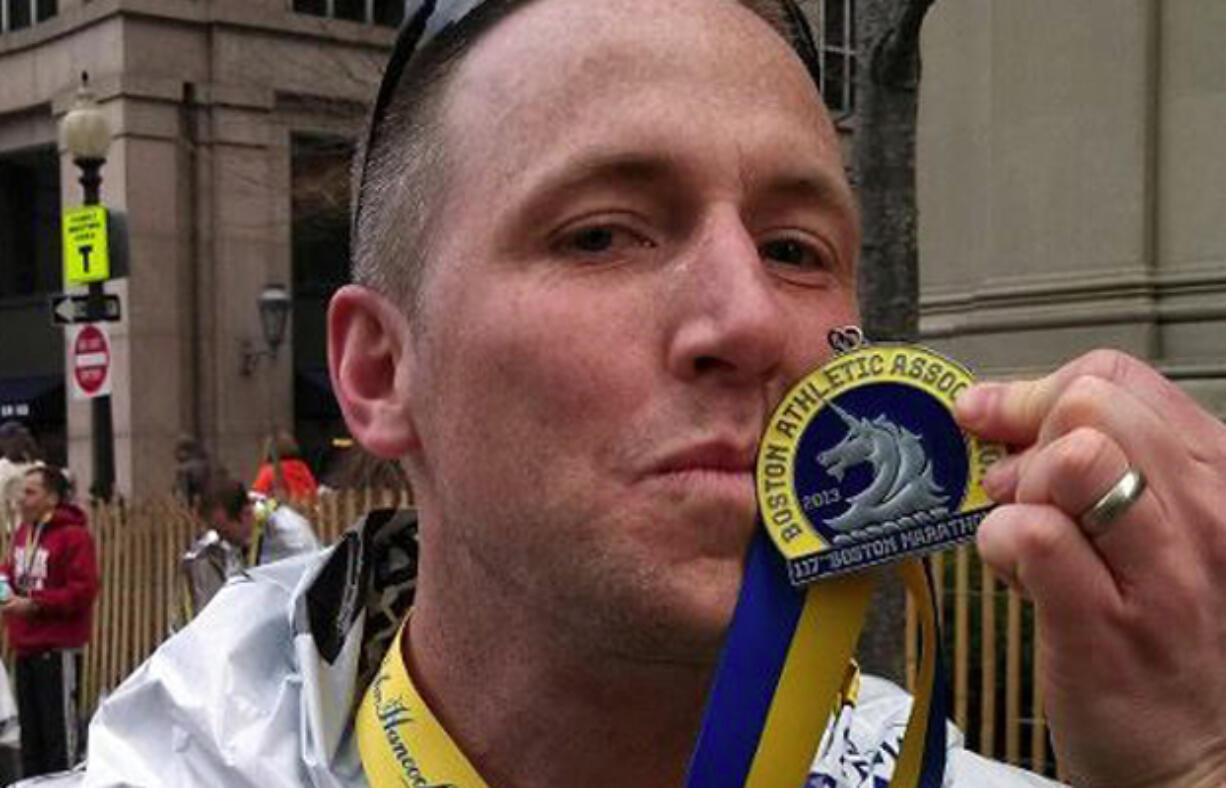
(207, 211)
(1070, 184)
(1071, 179)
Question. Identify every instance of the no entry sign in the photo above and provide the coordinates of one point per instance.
(91, 362)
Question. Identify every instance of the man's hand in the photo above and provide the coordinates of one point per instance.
(1133, 621)
(19, 606)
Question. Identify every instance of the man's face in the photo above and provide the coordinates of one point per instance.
(234, 531)
(36, 500)
(646, 236)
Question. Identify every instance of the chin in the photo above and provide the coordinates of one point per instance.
(683, 617)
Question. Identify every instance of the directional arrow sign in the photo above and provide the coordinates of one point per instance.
(66, 310)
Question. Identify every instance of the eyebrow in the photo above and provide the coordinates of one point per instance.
(581, 168)
(815, 188)
(654, 174)
(616, 168)
(659, 174)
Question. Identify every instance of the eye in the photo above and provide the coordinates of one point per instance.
(793, 253)
(594, 239)
(600, 241)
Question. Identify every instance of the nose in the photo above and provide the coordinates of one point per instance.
(729, 324)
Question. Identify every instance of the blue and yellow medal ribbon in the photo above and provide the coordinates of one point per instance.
(783, 665)
(782, 673)
(922, 761)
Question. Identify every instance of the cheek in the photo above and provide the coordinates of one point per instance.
(811, 327)
(552, 364)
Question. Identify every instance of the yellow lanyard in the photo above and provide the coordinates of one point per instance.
(30, 554)
(255, 542)
(401, 742)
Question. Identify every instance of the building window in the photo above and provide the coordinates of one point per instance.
(319, 207)
(353, 10)
(30, 223)
(312, 7)
(319, 210)
(836, 34)
(389, 13)
(19, 14)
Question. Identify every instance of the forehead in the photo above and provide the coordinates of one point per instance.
(542, 80)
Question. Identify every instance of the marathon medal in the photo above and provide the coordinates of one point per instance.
(863, 464)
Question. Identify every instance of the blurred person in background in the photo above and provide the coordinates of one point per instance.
(18, 453)
(281, 531)
(244, 530)
(53, 573)
(284, 475)
(191, 470)
(221, 551)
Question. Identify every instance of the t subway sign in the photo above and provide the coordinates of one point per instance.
(86, 247)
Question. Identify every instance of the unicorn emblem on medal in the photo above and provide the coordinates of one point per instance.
(902, 492)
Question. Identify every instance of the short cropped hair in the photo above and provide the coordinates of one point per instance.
(53, 479)
(226, 494)
(405, 169)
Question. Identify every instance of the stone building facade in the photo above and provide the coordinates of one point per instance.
(231, 123)
(1068, 168)
(1072, 184)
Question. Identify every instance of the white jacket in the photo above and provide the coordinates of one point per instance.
(260, 688)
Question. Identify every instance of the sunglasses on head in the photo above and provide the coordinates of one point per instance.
(426, 19)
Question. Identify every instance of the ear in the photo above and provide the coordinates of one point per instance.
(370, 363)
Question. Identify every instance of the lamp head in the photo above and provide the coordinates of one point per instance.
(84, 131)
(274, 303)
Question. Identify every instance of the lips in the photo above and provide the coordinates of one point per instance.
(708, 489)
(710, 457)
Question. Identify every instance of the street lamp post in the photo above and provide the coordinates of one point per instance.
(274, 305)
(86, 135)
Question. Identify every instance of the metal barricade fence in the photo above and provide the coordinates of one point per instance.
(989, 635)
(138, 549)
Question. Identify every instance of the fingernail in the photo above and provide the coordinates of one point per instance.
(1000, 478)
(971, 406)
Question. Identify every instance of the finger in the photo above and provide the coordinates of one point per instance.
(1000, 480)
(1014, 412)
(1089, 401)
(1040, 550)
(1177, 466)
(1100, 404)
(1072, 474)
(1143, 436)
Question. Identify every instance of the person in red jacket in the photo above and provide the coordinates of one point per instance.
(295, 482)
(53, 575)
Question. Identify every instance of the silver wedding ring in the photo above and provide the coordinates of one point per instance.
(1096, 520)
